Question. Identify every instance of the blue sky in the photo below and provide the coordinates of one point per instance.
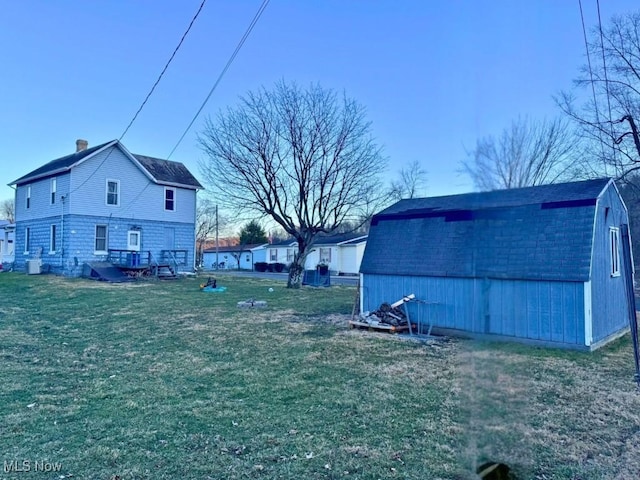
(433, 75)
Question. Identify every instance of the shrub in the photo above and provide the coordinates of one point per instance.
(261, 266)
(278, 267)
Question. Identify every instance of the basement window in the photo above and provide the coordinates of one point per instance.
(614, 250)
(101, 240)
(52, 239)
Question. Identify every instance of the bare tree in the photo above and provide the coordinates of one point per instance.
(8, 210)
(527, 153)
(206, 223)
(305, 158)
(611, 80)
(412, 182)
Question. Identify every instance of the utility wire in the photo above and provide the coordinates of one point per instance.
(593, 88)
(184, 35)
(606, 84)
(164, 69)
(224, 70)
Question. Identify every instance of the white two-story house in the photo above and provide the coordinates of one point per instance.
(102, 202)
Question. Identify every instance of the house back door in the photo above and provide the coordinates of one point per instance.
(169, 238)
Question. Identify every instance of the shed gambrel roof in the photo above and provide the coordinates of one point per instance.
(543, 232)
(164, 172)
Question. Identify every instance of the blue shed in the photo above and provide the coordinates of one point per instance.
(547, 264)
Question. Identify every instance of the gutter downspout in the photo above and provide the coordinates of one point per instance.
(62, 198)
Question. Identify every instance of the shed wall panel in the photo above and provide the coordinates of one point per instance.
(535, 310)
(609, 303)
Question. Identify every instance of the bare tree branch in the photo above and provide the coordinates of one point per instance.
(8, 210)
(305, 158)
(527, 153)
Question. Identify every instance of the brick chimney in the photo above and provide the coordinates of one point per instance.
(81, 145)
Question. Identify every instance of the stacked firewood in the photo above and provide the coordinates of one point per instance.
(386, 314)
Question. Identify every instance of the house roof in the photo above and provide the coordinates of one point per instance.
(543, 232)
(338, 239)
(235, 248)
(169, 172)
(59, 165)
(161, 171)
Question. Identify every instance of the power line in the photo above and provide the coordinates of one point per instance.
(184, 35)
(224, 70)
(164, 69)
(606, 83)
(593, 88)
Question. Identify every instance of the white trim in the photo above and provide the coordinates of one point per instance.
(175, 192)
(354, 241)
(106, 192)
(588, 315)
(361, 293)
(614, 251)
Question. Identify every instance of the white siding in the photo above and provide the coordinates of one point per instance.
(139, 196)
(40, 204)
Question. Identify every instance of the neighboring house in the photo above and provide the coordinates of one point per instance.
(101, 202)
(7, 242)
(227, 257)
(547, 264)
(342, 253)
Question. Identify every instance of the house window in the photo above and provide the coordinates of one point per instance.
(325, 255)
(54, 185)
(101, 239)
(27, 239)
(289, 255)
(28, 204)
(52, 239)
(614, 242)
(169, 199)
(113, 192)
(273, 254)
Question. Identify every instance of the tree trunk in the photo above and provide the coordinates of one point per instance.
(296, 269)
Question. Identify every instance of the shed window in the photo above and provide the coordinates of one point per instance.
(273, 255)
(101, 239)
(325, 255)
(113, 192)
(289, 255)
(169, 199)
(614, 250)
(54, 186)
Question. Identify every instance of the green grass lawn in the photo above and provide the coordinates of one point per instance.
(157, 380)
